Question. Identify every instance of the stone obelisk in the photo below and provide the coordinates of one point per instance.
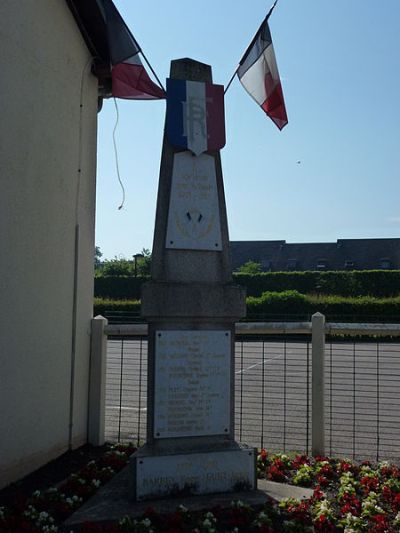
(191, 306)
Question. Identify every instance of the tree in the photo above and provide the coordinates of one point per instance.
(251, 267)
(144, 263)
(97, 256)
(119, 266)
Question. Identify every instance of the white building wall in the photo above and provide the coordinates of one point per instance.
(45, 137)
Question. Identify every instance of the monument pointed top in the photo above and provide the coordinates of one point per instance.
(189, 69)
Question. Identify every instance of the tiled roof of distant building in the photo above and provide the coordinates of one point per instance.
(344, 254)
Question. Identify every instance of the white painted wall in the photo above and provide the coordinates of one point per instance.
(44, 64)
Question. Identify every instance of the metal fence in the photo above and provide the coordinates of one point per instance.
(273, 389)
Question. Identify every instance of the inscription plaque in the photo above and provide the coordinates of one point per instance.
(192, 383)
(196, 473)
(193, 216)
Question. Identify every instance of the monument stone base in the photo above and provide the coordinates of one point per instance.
(160, 476)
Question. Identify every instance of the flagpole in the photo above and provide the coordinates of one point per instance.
(140, 51)
(251, 44)
(152, 70)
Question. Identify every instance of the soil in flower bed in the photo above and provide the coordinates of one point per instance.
(50, 474)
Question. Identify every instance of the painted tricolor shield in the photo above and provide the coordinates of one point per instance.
(195, 115)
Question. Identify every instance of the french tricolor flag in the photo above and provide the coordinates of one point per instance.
(195, 115)
(258, 73)
(129, 77)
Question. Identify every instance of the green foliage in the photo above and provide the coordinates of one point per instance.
(143, 264)
(336, 308)
(107, 307)
(118, 287)
(97, 256)
(278, 304)
(291, 304)
(117, 267)
(120, 266)
(379, 283)
(251, 267)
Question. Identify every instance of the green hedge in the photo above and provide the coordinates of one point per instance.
(116, 309)
(380, 283)
(118, 287)
(292, 304)
(286, 305)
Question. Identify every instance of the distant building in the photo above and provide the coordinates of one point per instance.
(344, 254)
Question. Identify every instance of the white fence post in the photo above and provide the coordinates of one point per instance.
(318, 385)
(97, 383)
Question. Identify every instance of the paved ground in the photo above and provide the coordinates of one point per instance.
(273, 396)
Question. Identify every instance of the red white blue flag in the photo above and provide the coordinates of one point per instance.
(258, 73)
(129, 77)
(195, 115)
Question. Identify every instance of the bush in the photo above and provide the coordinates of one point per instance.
(380, 283)
(278, 304)
(118, 287)
(117, 310)
(284, 306)
(336, 308)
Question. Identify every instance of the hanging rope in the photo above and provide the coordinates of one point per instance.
(116, 155)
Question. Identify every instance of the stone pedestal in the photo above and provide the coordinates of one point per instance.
(191, 306)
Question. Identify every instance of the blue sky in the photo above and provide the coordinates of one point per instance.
(339, 64)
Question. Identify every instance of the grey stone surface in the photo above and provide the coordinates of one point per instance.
(194, 300)
(158, 476)
(112, 501)
(190, 289)
(188, 266)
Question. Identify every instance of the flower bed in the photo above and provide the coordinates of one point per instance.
(46, 509)
(347, 497)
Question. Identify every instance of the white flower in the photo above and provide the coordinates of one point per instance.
(2, 509)
(183, 509)
(96, 483)
(49, 529)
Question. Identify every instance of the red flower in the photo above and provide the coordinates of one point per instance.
(322, 523)
(387, 493)
(369, 484)
(322, 480)
(300, 460)
(396, 501)
(299, 511)
(321, 458)
(345, 466)
(275, 473)
(263, 454)
(379, 524)
(264, 528)
(318, 494)
(327, 471)
(174, 522)
(350, 504)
